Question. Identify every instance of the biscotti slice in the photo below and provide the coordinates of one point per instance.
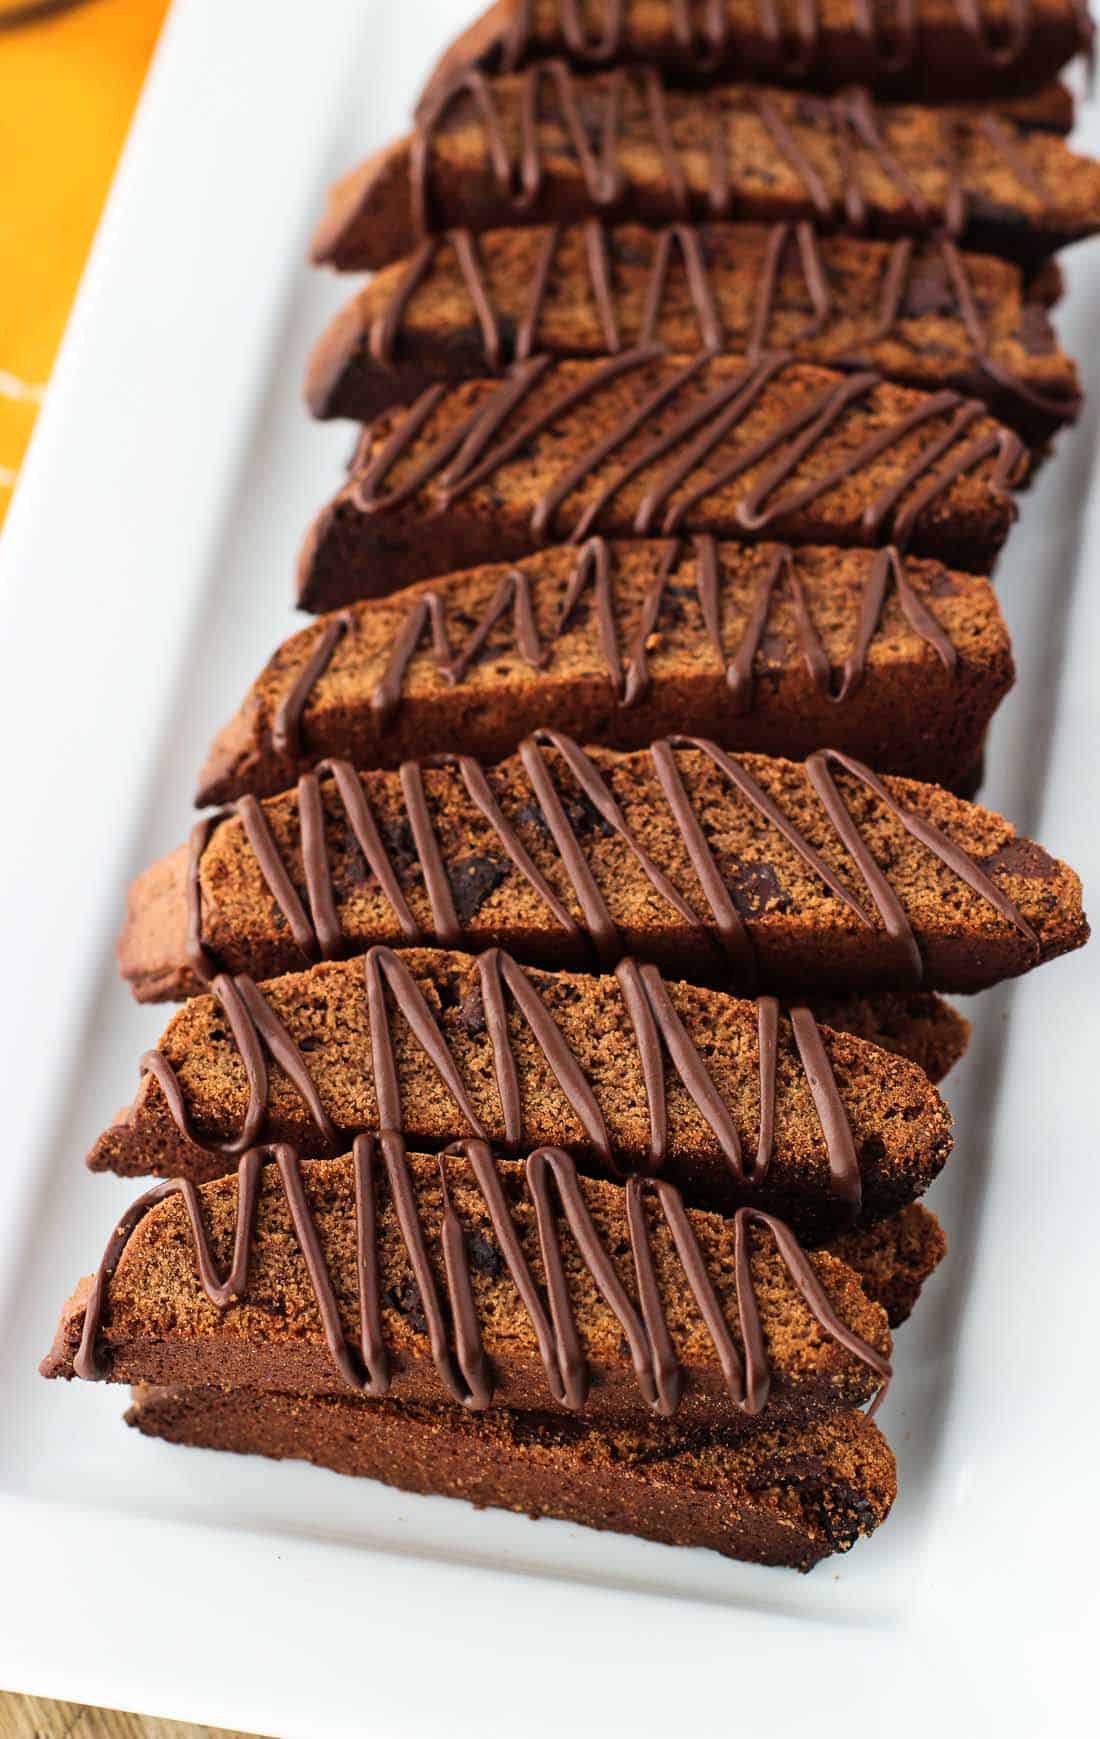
(484, 1282)
(756, 646)
(648, 444)
(728, 1099)
(920, 313)
(894, 1258)
(747, 873)
(930, 51)
(911, 1023)
(789, 1497)
(545, 146)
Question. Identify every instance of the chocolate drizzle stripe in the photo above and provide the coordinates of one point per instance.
(499, 972)
(830, 1108)
(952, 856)
(467, 1330)
(665, 1379)
(323, 916)
(481, 795)
(686, 240)
(647, 1039)
(550, 1162)
(258, 832)
(542, 517)
(286, 726)
(438, 888)
(383, 967)
(739, 672)
(465, 1374)
(767, 1039)
(599, 272)
(730, 925)
(785, 241)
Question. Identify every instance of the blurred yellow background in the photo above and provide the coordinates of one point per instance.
(68, 85)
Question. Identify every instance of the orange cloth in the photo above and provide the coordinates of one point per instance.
(68, 85)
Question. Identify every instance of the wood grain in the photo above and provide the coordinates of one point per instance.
(34, 1718)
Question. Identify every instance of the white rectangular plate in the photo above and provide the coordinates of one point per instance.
(152, 540)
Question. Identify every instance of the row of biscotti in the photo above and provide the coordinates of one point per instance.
(349, 1309)
(344, 1307)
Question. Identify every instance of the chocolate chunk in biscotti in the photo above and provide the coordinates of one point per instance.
(731, 1100)
(651, 445)
(484, 1282)
(921, 313)
(931, 51)
(790, 1496)
(547, 146)
(759, 647)
(741, 872)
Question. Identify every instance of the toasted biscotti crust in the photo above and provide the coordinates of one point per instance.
(914, 1024)
(895, 1258)
(523, 1057)
(562, 856)
(786, 1497)
(819, 1345)
(937, 51)
(925, 315)
(369, 686)
(651, 444)
(622, 145)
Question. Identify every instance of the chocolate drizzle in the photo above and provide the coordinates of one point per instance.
(794, 52)
(784, 241)
(849, 120)
(479, 444)
(317, 930)
(630, 685)
(659, 1033)
(465, 1374)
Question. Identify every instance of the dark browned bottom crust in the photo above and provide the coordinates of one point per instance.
(783, 1497)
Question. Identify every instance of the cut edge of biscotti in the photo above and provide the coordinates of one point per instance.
(958, 63)
(673, 1312)
(833, 1131)
(235, 908)
(341, 686)
(372, 214)
(354, 373)
(653, 443)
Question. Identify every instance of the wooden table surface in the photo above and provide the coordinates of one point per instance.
(33, 1718)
